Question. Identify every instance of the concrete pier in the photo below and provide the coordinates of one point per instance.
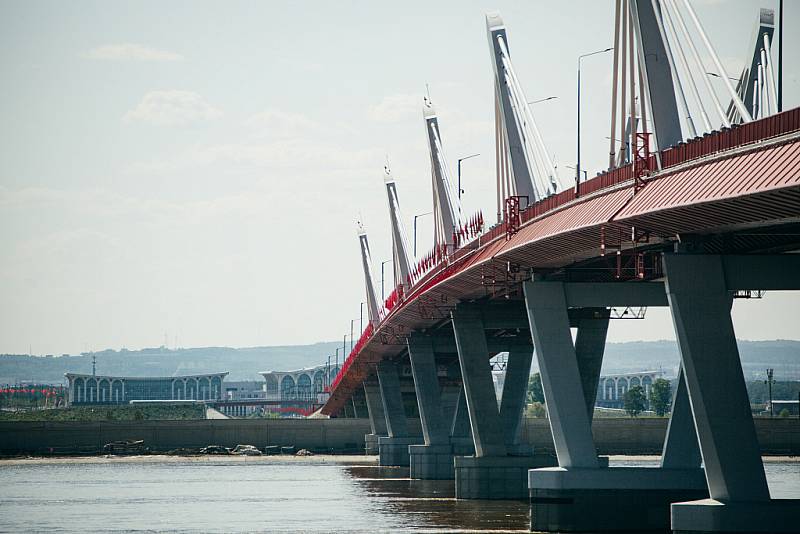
(699, 290)
(583, 493)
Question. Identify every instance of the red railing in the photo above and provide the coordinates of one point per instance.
(394, 297)
(365, 336)
(709, 144)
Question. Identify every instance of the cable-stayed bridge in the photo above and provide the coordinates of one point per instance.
(699, 205)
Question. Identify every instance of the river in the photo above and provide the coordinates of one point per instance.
(267, 494)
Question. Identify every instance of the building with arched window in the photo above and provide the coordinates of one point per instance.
(96, 389)
(300, 385)
(612, 388)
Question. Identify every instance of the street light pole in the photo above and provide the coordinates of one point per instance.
(351, 334)
(415, 229)
(361, 317)
(769, 381)
(459, 172)
(578, 166)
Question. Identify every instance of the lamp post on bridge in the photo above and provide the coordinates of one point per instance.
(415, 229)
(578, 166)
(361, 317)
(459, 172)
(351, 334)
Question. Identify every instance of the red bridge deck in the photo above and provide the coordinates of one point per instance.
(744, 177)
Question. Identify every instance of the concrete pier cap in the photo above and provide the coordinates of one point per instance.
(713, 516)
(612, 499)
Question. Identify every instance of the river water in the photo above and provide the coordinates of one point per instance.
(268, 494)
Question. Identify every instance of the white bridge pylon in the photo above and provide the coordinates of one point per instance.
(446, 206)
(400, 258)
(373, 310)
(524, 166)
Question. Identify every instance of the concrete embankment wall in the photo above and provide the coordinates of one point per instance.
(646, 435)
(612, 436)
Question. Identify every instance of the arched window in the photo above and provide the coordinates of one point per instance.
(91, 390)
(304, 386)
(78, 392)
(216, 388)
(319, 382)
(287, 387)
(116, 392)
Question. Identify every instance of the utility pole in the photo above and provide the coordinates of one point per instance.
(769, 382)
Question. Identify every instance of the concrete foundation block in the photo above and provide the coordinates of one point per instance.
(394, 451)
(371, 443)
(712, 516)
(431, 462)
(496, 477)
(609, 499)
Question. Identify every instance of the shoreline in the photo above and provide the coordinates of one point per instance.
(334, 459)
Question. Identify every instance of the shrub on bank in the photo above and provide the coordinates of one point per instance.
(141, 412)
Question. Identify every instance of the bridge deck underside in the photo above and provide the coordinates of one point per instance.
(751, 197)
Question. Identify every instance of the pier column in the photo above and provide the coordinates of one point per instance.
(584, 494)
(473, 355)
(515, 390)
(590, 345)
(490, 473)
(377, 417)
(700, 302)
(393, 449)
(434, 458)
(681, 450)
(561, 377)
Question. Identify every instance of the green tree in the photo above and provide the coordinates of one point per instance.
(635, 401)
(661, 396)
(784, 413)
(535, 392)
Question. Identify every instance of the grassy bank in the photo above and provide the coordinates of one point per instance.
(109, 413)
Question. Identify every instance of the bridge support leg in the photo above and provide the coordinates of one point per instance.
(393, 449)
(512, 403)
(460, 431)
(490, 473)
(583, 493)
(434, 459)
(739, 497)
(377, 418)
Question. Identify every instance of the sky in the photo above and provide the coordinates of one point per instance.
(190, 173)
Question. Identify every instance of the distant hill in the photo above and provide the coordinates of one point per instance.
(242, 363)
(781, 355)
(246, 363)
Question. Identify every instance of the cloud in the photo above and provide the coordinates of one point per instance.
(394, 108)
(172, 108)
(281, 124)
(131, 51)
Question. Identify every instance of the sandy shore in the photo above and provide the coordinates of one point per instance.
(339, 459)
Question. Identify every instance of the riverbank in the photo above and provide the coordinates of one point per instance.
(776, 436)
(284, 459)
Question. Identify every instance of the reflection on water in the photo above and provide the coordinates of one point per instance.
(256, 495)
